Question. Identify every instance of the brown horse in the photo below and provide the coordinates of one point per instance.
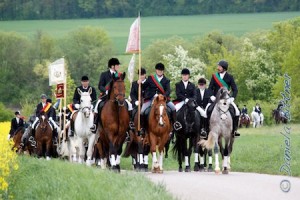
(17, 138)
(244, 120)
(278, 117)
(114, 123)
(43, 137)
(158, 130)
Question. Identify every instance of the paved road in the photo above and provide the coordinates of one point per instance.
(235, 186)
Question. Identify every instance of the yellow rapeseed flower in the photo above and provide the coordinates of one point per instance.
(8, 158)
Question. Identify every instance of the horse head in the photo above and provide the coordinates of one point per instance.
(118, 90)
(222, 99)
(160, 109)
(189, 115)
(43, 122)
(85, 102)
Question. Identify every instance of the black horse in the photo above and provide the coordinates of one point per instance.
(187, 136)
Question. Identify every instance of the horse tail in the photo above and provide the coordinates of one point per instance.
(209, 143)
(178, 148)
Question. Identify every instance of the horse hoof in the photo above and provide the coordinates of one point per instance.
(196, 167)
(187, 169)
(180, 169)
(201, 168)
(115, 169)
(160, 171)
(166, 156)
(48, 158)
(210, 169)
(225, 171)
(217, 171)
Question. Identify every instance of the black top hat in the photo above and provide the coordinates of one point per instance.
(160, 66)
(143, 71)
(202, 81)
(112, 62)
(223, 64)
(84, 78)
(17, 113)
(185, 71)
(49, 101)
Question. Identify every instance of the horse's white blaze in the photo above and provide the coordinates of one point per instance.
(196, 157)
(43, 117)
(161, 109)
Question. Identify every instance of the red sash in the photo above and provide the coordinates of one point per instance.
(158, 84)
(46, 107)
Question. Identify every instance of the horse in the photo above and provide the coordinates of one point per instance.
(158, 130)
(278, 117)
(83, 121)
(43, 137)
(17, 136)
(220, 127)
(244, 120)
(186, 137)
(257, 119)
(114, 122)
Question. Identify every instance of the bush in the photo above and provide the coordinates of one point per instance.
(6, 114)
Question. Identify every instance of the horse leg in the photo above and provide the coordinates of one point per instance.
(153, 143)
(90, 150)
(167, 146)
(196, 156)
(209, 169)
(118, 158)
(146, 151)
(161, 147)
(225, 158)
(216, 151)
(48, 149)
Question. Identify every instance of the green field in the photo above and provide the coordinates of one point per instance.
(153, 28)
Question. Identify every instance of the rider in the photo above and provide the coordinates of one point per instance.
(104, 83)
(223, 79)
(245, 111)
(84, 87)
(257, 109)
(280, 109)
(185, 90)
(203, 100)
(134, 93)
(154, 85)
(52, 115)
(16, 123)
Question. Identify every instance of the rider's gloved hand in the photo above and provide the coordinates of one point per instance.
(213, 98)
(155, 95)
(77, 106)
(136, 103)
(231, 99)
(186, 100)
(50, 118)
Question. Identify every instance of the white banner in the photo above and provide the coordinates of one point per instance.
(134, 37)
(57, 72)
(131, 68)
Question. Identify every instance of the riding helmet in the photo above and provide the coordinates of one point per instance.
(112, 62)
(43, 96)
(202, 81)
(143, 71)
(185, 71)
(160, 66)
(223, 64)
(84, 78)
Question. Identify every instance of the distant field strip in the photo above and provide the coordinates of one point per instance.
(153, 28)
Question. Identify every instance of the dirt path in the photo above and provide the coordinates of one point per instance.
(235, 186)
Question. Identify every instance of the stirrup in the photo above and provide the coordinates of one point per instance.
(93, 129)
(32, 141)
(127, 139)
(203, 134)
(131, 125)
(177, 126)
(236, 134)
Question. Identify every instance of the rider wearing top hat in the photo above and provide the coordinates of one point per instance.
(16, 123)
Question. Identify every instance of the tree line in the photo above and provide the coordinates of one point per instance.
(257, 60)
(74, 9)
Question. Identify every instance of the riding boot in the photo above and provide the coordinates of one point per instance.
(54, 136)
(131, 124)
(177, 126)
(203, 133)
(143, 127)
(72, 128)
(235, 126)
(95, 124)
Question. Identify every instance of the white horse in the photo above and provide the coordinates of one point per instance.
(257, 119)
(83, 122)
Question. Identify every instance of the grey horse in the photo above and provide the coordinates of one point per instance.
(220, 127)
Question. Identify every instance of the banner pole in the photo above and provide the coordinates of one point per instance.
(140, 66)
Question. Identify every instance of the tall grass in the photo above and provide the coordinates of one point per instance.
(55, 179)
